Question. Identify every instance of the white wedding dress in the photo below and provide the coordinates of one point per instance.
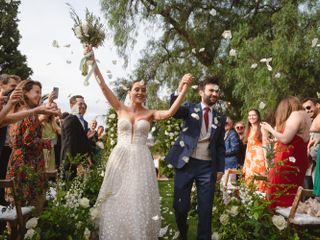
(129, 203)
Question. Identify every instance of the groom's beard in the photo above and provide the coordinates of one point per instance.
(210, 101)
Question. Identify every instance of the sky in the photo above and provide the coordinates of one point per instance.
(42, 22)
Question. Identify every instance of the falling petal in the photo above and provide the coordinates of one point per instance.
(155, 218)
(292, 159)
(114, 62)
(153, 129)
(269, 59)
(86, 83)
(185, 159)
(196, 109)
(181, 143)
(233, 52)
(170, 166)
(69, 95)
(227, 34)
(254, 65)
(202, 49)
(216, 87)
(214, 126)
(196, 116)
(263, 60)
(55, 44)
(193, 50)
(215, 120)
(278, 75)
(124, 87)
(68, 62)
(49, 63)
(314, 42)
(185, 129)
(262, 105)
(213, 12)
(269, 67)
(109, 76)
(67, 45)
(318, 94)
(108, 71)
(142, 82)
(156, 81)
(194, 87)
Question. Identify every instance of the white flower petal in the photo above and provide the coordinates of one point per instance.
(263, 60)
(112, 116)
(202, 49)
(142, 82)
(214, 126)
(155, 218)
(114, 62)
(68, 62)
(153, 129)
(156, 81)
(67, 45)
(196, 116)
(292, 159)
(181, 143)
(185, 159)
(314, 42)
(124, 87)
(278, 75)
(269, 67)
(49, 63)
(318, 94)
(170, 166)
(215, 120)
(163, 231)
(227, 34)
(194, 50)
(185, 129)
(213, 12)
(254, 65)
(262, 105)
(55, 44)
(194, 87)
(233, 52)
(196, 109)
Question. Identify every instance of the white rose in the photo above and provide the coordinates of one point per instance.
(85, 28)
(29, 234)
(279, 221)
(215, 236)
(93, 213)
(234, 211)
(78, 32)
(32, 223)
(86, 234)
(84, 202)
(224, 219)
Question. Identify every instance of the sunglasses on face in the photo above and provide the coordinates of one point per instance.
(239, 127)
(307, 108)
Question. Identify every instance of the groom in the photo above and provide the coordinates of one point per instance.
(198, 155)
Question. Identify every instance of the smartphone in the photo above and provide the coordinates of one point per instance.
(55, 92)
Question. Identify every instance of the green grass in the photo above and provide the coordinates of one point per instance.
(167, 212)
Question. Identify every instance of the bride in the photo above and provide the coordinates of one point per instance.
(128, 202)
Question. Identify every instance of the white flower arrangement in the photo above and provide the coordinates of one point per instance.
(84, 202)
(279, 221)
(32, 223)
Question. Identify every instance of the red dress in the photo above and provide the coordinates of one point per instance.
(26, 162)
(290, 165)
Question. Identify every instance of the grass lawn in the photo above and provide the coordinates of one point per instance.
(167, 213)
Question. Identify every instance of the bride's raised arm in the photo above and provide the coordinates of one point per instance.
(183, 87)
(109, 95)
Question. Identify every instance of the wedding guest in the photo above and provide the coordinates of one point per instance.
(240, 127)
(310, 106)
(50, 132)
(26, 163)
(74, 140)
(254, 163)
(232, 144)
(316, 185)
(291, 160)
(93, 136)
(101, 139)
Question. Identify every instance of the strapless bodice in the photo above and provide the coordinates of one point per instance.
(133, 134)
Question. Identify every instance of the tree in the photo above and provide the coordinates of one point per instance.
(191, 41)
(11, 60)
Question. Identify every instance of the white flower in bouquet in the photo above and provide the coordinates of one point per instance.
(215, 236)
(233, 53)
(233, 211)
(85, 28)
(86, 234)
(279, 221)
(84, 202)
(29, 234)
(78, 32)
(32, 223)
(93, 213)
(224, 219)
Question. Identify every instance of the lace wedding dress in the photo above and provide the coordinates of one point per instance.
(128, 202)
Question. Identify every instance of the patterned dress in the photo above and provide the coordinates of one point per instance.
(27, 163)
(254, 163)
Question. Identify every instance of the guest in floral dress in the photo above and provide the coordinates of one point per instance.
(27, 163)
(254, 163)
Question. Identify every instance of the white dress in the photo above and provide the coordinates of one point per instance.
(129, 201)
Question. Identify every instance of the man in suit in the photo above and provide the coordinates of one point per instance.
(74, 130)
(198, 155)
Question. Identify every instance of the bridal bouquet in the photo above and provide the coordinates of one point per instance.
(90, 32)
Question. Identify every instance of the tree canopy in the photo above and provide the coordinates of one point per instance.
(11, 59)
(262, 50)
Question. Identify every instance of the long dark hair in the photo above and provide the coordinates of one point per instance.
(26, 86)
(258, 135)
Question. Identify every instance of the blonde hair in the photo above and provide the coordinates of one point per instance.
(284, 109)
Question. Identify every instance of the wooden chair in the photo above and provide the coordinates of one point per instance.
(291, 212)
(16, 216)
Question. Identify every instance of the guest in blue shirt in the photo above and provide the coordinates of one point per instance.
(232, 144)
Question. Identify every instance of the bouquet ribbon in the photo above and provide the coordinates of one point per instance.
(84, 65)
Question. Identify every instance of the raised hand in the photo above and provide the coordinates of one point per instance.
(185, 81)
(47, 109)
(16, 96)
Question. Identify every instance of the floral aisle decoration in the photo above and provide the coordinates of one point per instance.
(112, 130)
(91, 33)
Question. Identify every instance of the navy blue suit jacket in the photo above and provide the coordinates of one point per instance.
(191, 135)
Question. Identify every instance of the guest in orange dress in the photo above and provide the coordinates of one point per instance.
(254, 163)
(291, 158)
(26, 162)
